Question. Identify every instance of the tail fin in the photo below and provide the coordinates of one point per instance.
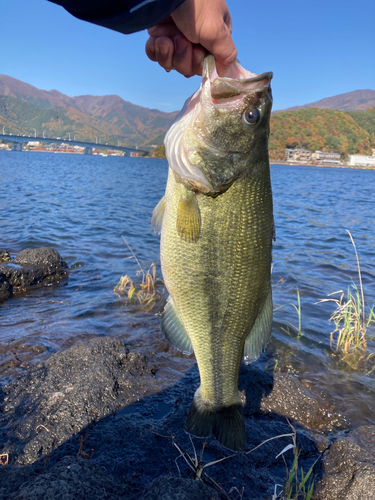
(226, 424)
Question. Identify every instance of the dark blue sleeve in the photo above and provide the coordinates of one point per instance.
(125, 16)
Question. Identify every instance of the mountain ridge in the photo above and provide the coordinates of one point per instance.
(88, 116)
(356, 100)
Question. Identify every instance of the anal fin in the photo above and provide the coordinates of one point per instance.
(188, 218)
(157, 216)
(174, 330)
(260, 332)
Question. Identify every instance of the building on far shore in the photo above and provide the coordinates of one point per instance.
(323, 157)
(362, 160)
(300, 155)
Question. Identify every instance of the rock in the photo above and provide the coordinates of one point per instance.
(178, 488)
(100, 405)
(32, 268)
(61, 396)
(40, 257)
(5, 288)
(309, 408)
(349, 467)
(71, 478)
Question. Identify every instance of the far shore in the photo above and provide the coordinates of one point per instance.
(272, 162)
(329, 165)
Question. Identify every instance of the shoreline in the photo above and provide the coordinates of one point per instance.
(327, 165)
(272, 162)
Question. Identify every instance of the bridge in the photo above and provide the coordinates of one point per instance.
(18, 140)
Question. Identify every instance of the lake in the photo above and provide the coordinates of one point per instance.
(83, 206)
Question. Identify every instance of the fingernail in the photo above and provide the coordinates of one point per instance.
(180, 44)
(163, 49)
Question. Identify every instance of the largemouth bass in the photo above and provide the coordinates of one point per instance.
(216, 224)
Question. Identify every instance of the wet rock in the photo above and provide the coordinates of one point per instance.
(102, 405)
(32, 268)
(174, 488)
(349, 467)
(57, 399)
(5, 288)
(71, 478)
(40, 257)
(291, 398)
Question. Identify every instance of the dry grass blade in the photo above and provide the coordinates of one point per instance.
(142, 290)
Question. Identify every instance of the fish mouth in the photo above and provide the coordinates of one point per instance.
(235, 82)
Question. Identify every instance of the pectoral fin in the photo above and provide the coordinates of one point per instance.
(260, 333)
(157, 216)
(188, 217)
(174, 330)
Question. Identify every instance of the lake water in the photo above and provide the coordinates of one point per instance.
(83, 206)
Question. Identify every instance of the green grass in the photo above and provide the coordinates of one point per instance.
(298, 484)
(351, 318)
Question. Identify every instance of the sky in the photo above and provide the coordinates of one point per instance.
(315, 48)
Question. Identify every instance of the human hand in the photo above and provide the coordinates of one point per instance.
(182, 41)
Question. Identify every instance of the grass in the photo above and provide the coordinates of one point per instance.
(350, 318)
(298, 485)
(141, 291)
(299, 313)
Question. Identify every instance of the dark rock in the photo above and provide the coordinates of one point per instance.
(349, 467)
(309, 408)
(102, 405)
(71, 478)
(5, 288)
(56, 400)
(40, 257)
(174, 488)
(31, 269)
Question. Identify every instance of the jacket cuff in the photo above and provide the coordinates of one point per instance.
(139, 15)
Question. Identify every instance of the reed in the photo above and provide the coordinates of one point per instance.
(142, 290)
(350, 318)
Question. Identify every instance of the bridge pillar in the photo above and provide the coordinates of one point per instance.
(88, 151)
(16, 146)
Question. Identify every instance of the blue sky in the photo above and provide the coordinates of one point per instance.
(316, 49)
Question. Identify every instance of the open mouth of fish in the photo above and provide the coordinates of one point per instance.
(224, 93)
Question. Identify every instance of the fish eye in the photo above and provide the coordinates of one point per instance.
(251, 116)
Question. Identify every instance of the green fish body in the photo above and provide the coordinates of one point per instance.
(216, 242)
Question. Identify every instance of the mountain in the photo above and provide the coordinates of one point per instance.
(108, 118)
(314, 129)
(358, 100)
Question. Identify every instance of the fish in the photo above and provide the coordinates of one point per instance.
(216, 224)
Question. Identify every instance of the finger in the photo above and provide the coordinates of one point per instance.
(164, 52)
(198, 57)
(220, 43)
(168, 29)
(183, 56)
(150, 48)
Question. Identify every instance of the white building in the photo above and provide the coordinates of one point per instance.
(362, 160)
(300, 155)
(327, 158)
